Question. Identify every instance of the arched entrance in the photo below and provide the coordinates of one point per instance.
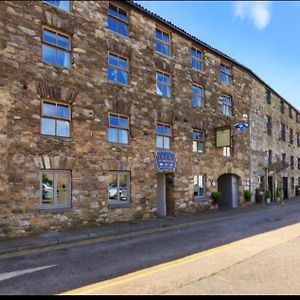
(228, 185)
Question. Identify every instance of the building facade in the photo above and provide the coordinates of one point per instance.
(94, 93)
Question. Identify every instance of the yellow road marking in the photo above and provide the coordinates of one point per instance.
(89, 289)
(150, 271)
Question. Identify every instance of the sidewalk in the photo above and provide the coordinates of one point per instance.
(119, 230)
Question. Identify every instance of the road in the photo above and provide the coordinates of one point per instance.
(254, 250)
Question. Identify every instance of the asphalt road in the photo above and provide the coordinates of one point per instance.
(62, 270)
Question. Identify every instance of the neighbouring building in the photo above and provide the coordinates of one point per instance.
(109, 113)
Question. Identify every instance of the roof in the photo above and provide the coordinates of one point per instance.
(205, 45)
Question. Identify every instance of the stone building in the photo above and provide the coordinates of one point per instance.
(94, 94)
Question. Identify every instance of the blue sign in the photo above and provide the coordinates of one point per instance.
(241, 126)
(165, 161)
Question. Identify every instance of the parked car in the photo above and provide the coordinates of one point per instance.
(113, 192)
(47, 192)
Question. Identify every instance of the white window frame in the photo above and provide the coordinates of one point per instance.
(118, 202)
(204, 196)
(45, 116)
(69, 187)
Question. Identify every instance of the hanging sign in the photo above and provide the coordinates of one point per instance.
(242, 126)
(165, 161)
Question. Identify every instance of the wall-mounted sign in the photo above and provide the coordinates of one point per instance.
(242, 126)
(223, 137)
(165, 161)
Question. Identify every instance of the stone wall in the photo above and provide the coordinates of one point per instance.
(261, 141)
(25, 81)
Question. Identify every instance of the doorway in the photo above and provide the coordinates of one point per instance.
(228, 185)
(285, 187)
(165, 200)
(270, 186)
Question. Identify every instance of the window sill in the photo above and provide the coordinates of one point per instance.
(200, 199)
(53, 210)
(117, 83)
(56, 137)
(56, 66)
(164, 55)
(227, 84)
(115, 144)
(117, 34)
(198, 71)
(119, 205)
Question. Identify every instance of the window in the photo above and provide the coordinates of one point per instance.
(64, 4)
(55, 189)
(269, 157)
(269, 125)
(118, 188)
(226, 74)
(290, 112)
(297, 117)
(298, 139)
(283, 157)
(291, 136)
(227, 151)
(199, 186)
(163, 84)
(198, 141)
(196, 59)
(226, 105)
(162, 43)
(268, 97)
(55, 119)
(117, 69)
(117, 20)
(299, 181)
(282, 132)
(298, 163)
(282, 106)
(292, 162)
(197, 99)
(292, 184)
(56, 49)
(163, 136)
(118, 129)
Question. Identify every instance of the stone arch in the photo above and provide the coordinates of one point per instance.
(46, 90)
(46, 162)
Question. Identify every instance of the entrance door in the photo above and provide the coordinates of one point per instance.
(270, 186)
(170, 205)
(161, 195)
(228, 185)
(285, 187)
(165, 201)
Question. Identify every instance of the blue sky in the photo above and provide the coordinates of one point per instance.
(262, 35)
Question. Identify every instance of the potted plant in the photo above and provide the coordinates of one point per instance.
(216, 196)
(247, 195)
(268, 196)
(278, 194)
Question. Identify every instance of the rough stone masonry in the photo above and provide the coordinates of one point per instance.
(26, 81)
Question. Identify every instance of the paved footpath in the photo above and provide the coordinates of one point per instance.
(106, 232)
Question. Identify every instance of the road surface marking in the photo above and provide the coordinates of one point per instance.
(4, 276)
(127, 278)
(152, 270)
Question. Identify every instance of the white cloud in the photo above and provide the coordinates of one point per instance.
(259, 12)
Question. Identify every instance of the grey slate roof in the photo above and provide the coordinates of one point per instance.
(203, 44)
